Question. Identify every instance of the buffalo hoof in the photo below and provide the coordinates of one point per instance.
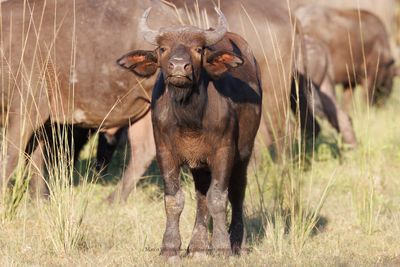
(222, 251)
(350, 146)
(171, 255)
(236, 250)
(115, 197)
(110, 199)
(198, 255)
(173, 260)
(221, 243)
(199, 242)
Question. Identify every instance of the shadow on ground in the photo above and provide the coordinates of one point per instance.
(256, 227)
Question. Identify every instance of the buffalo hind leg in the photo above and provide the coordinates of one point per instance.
(143, 152)
(237, 188)
(339, 119)
(199, 242)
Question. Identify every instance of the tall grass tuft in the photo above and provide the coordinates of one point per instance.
(366, 204)
(293, 219)
(64, 212)
(275, 232)
(12, 195)
(66, 208)
(303, 216)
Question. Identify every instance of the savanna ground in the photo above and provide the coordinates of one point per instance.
(352, 198)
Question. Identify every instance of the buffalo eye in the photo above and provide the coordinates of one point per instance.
(162, 50)
(199, 50)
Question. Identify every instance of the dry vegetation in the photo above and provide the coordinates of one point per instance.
(359, 223)
(334, 207)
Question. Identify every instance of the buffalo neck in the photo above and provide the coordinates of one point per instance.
(188, 110)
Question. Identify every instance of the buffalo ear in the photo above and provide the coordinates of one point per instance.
(142, 63)
(219, 62)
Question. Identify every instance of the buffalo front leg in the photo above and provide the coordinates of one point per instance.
(199, 242)
(174, 201)
(217, 197)
(368, 91)
(348, 99)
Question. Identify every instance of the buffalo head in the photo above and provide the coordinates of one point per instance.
(384, 83)
(182, 53)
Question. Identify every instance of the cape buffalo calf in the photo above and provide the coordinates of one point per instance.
(206, 108)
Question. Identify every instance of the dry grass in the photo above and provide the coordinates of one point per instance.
(131, 234)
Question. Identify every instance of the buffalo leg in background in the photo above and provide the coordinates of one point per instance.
(140, 136)
(302, 106)
(338, 118)
(37, 184)
(348, 98)
(320, 71)
(16, 142)
(108, 142)
(45, 152)
(142, 147)
(143, 152)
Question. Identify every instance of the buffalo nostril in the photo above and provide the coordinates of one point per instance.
(188, 67)
(171, 65)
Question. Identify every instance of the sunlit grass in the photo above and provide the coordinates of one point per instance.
(131, 234)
